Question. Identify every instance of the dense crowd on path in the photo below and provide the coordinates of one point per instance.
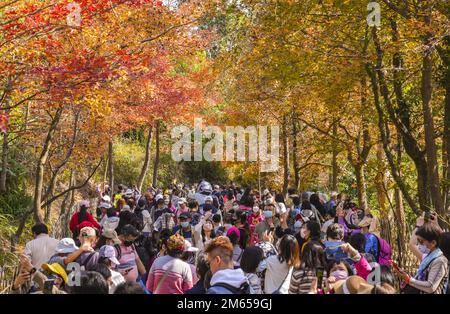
(205, 239)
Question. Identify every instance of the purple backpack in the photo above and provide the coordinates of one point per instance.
(384, 252)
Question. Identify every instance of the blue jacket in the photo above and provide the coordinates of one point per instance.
(371, 244)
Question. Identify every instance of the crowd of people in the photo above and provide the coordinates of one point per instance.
(205, 239)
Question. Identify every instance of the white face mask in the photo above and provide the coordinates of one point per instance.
(423, 249)
(256, 210)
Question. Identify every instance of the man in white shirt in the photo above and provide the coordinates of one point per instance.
(42, 247)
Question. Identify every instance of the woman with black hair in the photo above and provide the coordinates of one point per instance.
(358, 241)
(247, 200)
(228, 205)
(314, 199)
(131, 265)
(279, 267)
(312, 268)
(444, 245)
(82, 219)
(250, 262)
(310, 232)
(431, 276)
(204, 231)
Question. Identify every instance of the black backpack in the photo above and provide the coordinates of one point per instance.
(243, 289)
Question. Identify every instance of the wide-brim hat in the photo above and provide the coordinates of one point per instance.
(352, 285)
(56, 268)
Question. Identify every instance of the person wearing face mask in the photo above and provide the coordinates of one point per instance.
(130, 264)
(184, 227)
(182, 208)
(420, 250)
(340, 219)
(193, 209)
(337, 270)
(253, 220)
(108, 237)
(269, 223)
(203, 231)
(431, 276)
(310, 232)
(217, 222)
(208, 205)
(311, 268)
(108, 257)
(159, 208)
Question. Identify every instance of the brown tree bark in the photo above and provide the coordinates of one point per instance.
(295, 151)
(111, 166)
(385, 139)
(430, 144)
(39, 174)
(144, 169)
(285, 156)
(156, 161)
(334, 154)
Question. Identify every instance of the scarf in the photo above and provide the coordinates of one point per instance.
(426, 261)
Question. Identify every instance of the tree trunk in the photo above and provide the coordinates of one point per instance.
(380, 179)
(39, 179)
(295, 152)
(156, 161)
(4, 172)
(385, 137)
(400, 211)
(15, 237)
(146, 160)
(334, 154)
(111, 166)
(403, 126)
(361, 185)
(444, 54)
(285, 156)
(430, 144)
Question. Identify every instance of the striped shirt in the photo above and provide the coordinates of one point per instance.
(301, 281)
(169, 275)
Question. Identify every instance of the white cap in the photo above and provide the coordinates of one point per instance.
(208, 198)
(126, 208)
(104, 205)
(84, 203)
(106, 198)
(128, 193)
(158, 197)
(66, 245)
(188, 247)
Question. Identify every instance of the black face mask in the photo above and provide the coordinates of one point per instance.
(128, 243)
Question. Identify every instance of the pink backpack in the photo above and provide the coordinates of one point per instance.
(384, 252)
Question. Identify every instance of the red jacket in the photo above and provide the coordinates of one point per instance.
(88, 222)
